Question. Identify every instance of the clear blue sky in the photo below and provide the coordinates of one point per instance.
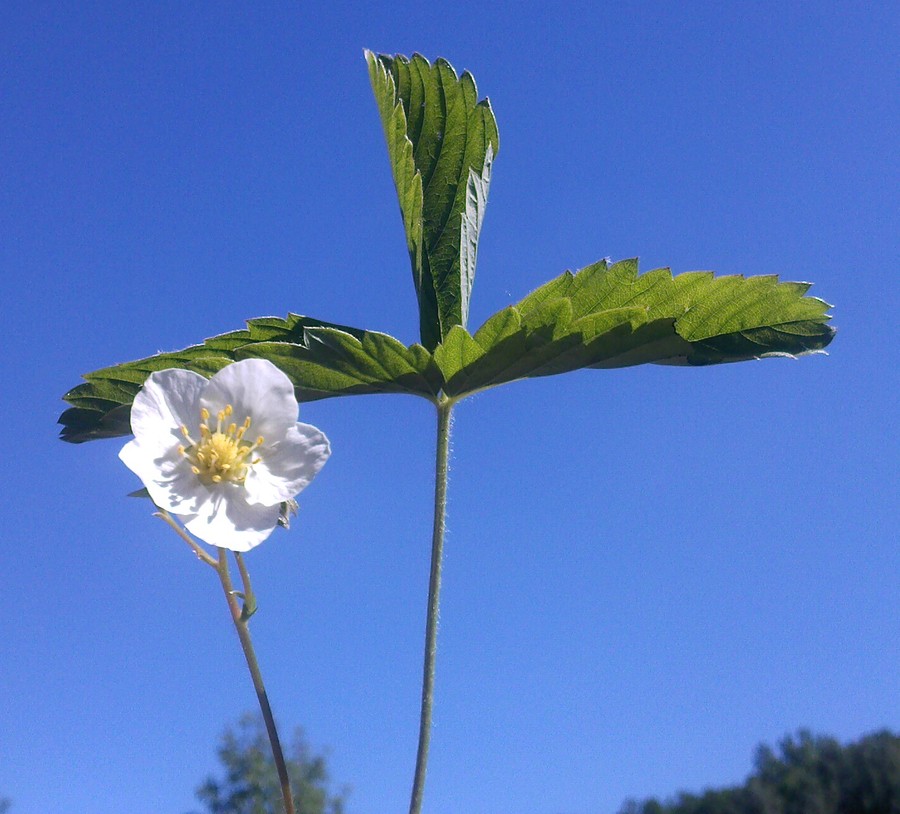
(648, 571)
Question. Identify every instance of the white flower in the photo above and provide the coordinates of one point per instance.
(223, 453)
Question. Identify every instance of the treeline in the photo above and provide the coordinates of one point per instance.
(809, 775)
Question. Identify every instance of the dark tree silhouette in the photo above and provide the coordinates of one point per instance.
(811, 775)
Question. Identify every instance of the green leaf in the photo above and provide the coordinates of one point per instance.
(441, 141)
(321, 359)
(610, 316)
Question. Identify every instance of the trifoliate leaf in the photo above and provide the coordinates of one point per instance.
(321, 359)
(610, 316)
(601, 317)
(441, 142)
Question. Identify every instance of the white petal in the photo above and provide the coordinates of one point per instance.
(168, 399)
(255, 388)
(168, 477)
(228, 521)
(287, 467)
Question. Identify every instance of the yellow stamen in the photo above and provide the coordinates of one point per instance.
(220, 456)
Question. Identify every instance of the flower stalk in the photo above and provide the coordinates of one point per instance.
(249, 607)
(240, 615)
(442, 454)
(202, 555)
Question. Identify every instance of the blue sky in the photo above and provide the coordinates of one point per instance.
(648, 571)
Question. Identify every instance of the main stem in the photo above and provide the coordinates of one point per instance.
(243, 631)
(445, 409)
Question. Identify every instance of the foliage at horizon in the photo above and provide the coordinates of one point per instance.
(250, 784)
(809, 775)
(441, 144)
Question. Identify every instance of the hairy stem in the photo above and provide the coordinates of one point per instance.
(434, 595)
(243, 630)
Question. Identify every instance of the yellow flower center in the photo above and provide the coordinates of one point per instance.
(220, 454)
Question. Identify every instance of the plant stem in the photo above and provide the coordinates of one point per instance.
(249, 597)
(162, 514)
(243, 631)
(240, 617)
(445, 408)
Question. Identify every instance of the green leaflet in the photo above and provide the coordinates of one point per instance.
(337, 363)
(610, 316)
(441, 142)
(321, 358)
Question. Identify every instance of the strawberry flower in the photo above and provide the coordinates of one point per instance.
(223, 453)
